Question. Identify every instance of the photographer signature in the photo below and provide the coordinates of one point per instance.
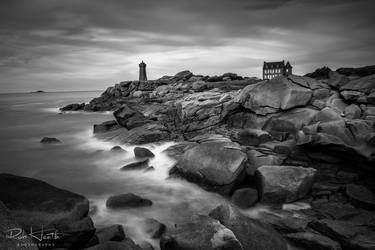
(39, 235)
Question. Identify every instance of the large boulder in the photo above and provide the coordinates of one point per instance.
(280, 93)
(128, 200)
(359, 90)
(279, 184)
(141, 152)
(251, 233)
(35, 204)
(202, 232)
(106, 126)
(216, 166)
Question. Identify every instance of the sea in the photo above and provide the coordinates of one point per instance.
(83, 164)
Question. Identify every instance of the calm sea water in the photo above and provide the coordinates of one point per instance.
(83, 164)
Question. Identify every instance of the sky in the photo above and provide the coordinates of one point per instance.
(63, 45)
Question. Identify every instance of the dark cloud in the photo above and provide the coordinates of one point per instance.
(57, 43)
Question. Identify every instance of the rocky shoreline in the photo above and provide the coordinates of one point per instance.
(309, 140)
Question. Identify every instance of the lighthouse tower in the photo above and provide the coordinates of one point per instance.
(142, 72)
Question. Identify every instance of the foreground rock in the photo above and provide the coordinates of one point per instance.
(127, 201)
(216, 166)
(34, 203)
(49, 140)
(251, 233)
(127, 244)
(111, 233)
(202, 232)
(154, 228)
(7, 222)
(279, 184)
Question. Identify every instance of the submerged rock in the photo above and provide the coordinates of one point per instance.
(50, 140)
(252, 234)
(154, 228)
(142, 152)
(128, 200)
(202, 232)
(141, 164)
(216, 166)
(118, 149)
(280, 184)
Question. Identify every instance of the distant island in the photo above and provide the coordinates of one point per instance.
(38, 91)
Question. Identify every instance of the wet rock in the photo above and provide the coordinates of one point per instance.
(154, 228)
(202, 232)
(34, 203)
(280, 184)
(50, 140)
(128, 200)
(245, 197)
(280, 93)
(142, 164)
(216, 166)
(360, 196)
(106, 126)
(313, 241)
(118, 149)
(263, 237)
(73, 107)
(140, 152)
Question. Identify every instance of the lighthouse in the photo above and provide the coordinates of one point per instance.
(142, 72)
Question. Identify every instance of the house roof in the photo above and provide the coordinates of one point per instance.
(288, 65)
(273, 65)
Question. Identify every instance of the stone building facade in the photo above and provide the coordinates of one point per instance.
(273, 69)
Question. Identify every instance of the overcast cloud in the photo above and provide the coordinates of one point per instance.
(90, 44)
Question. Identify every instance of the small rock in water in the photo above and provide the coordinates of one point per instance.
(154, 228)
(150, 168)
(118, 149)
(50, 140)
(245, 197)
(128, 200)
(142, 164)
(140, 152)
